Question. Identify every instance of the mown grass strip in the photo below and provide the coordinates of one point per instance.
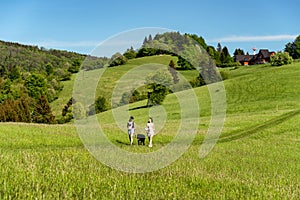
(258, 128)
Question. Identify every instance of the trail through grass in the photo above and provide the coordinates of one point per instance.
(257, 156)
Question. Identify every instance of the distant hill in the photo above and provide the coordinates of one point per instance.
(29, 72)
(34, 59)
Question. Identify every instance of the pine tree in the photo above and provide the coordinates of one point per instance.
(150, 38)
(238, 52)
(22, 106)
(145, 41)
(42, 111)
(225, 56)
(219, 48)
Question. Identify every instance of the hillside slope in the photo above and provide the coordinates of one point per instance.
(111, 76)
(256, 157)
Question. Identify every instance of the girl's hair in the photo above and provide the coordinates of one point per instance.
(131, 118)
(151, 119)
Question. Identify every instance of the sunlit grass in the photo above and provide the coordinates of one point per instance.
(257, 155)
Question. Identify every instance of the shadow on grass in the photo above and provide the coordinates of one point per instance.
(254, 129)
(140, 107)
(121, 142)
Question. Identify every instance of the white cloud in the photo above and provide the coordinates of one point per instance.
(53, 43)
(254, 38)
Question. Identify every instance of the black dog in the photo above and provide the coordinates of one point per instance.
(141, 139)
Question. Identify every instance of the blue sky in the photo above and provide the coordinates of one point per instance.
(81, 25)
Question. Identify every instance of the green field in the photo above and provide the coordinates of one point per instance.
(257, 155)
(110, 78)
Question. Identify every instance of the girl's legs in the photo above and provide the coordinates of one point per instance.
(150, 143)
(131, 138)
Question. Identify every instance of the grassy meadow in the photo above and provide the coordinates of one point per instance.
(257, 155)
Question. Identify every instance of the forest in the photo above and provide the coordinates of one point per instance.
(31, 77)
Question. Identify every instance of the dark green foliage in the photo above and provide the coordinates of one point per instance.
(238, 52)
(101, 104)
(36, 86)
(131, 97)
(214, 54)
(225, 57)
(49, 69)
(293, 48)
(200, 40)
(42, 111)
(67, 107)
(74, 68)
(146, 51)
(183, 64)
(137, 96)
(5, 91)
(130, 53)
(66, 113)
(158, 84)
(117, 59)
(158, 94)
(150, 38)
(281, 58)
(15, 73)
(145, 40)
(198, 81)
(222, 57)
(219, 48)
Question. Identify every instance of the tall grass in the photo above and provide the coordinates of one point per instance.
(257, 156)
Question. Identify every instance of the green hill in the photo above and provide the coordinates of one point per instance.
(110, 78)
(257, 155)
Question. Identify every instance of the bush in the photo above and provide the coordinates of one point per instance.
(281, 58)
(117, 59)
(131, 97)
(79, 111)
(130, 54)
(198, 81)
(101, 104)
(224, 75)
(158, 95)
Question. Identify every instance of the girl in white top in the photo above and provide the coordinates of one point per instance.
(130, 128)
(150, 130)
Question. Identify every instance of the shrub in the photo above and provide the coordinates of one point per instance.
(158, 95)
(117, 59)
(198, 81)
(101, 104)
(79, 111)
(281, 58)
(224, 75)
